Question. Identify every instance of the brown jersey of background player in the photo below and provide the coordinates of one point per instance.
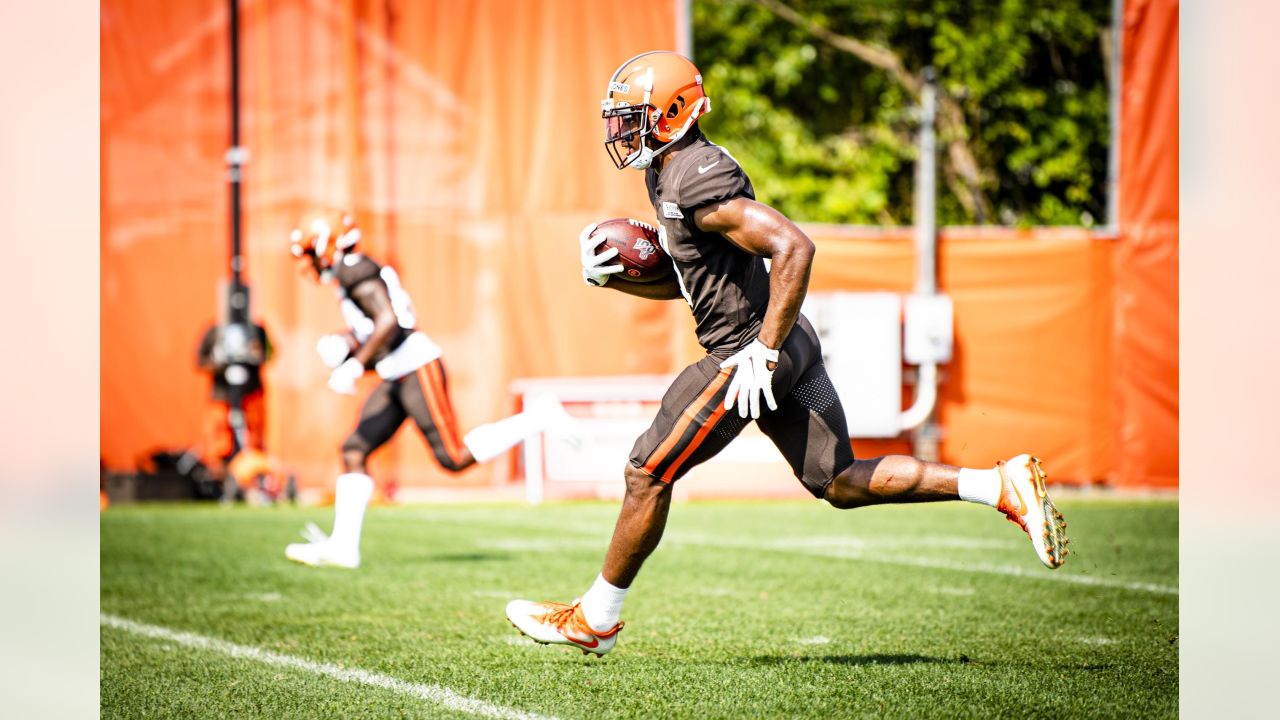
(763, 357)
(365, 294)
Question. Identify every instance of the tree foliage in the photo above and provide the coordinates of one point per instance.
(829, 137)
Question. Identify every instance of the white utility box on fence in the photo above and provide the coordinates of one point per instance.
(861, 336)
(928, 324)
(586, 459)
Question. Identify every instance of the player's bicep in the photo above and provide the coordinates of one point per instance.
(752, 226)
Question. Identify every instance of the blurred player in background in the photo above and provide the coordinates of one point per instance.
(763, 360)
(383, 336)
(233, 355)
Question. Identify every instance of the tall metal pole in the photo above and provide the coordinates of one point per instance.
(1113, 115)
(237, 332)
(926, 437)
(238, 306)
(925, 200)
(684, 27)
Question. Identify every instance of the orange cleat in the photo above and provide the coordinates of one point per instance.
(553, 623)
(1025, 502)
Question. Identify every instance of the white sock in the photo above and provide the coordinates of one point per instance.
(980, 486)
(350, 500)
(602, 603)
(490, 440)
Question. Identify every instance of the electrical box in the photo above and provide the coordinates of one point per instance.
(861, 336)
(928, 324)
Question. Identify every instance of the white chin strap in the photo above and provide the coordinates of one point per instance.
(643, 158)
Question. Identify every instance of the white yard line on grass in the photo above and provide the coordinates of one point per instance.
(848, 548)
(441, 696)
(1035, 574)
(815, 640)
(1096, 640)
(847, 553)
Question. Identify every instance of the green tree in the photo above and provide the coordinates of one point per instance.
(817, 99)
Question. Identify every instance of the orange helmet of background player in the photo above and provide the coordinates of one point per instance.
(322, 239)
(655, 94)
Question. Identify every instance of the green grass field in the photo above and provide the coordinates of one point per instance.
(746, 610)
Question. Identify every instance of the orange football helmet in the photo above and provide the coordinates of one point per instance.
(322, 239)
(656, 94)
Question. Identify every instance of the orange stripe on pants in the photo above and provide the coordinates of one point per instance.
(441, 410)
(687, 417)
(695, 442)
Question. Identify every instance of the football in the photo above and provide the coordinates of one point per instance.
(641, 257)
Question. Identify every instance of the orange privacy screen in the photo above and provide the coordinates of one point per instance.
(466, 137)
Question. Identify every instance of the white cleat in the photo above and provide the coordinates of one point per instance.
(553, 623)
(554, 420)
(1024, 500)
(323, 554)
(313, 534)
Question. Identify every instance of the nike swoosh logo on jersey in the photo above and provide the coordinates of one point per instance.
(702, 168)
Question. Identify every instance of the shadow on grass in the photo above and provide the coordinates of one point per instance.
(464, 557)
(876, 659)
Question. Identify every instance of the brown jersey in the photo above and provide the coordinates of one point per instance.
(354, 269)
(726, 287)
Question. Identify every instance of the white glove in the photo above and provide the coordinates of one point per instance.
(751, 379)
(594, 270)
(343, 378)
(333, 350)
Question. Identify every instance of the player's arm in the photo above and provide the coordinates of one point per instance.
(205, 355)
(667, 289)
(372, 296)
(763, 231)
(598, 271)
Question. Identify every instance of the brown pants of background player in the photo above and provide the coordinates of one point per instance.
(422, 396)
(808, 428)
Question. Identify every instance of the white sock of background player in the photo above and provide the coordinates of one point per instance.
(351, 497)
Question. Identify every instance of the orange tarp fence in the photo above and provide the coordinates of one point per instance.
(1146, 262)
(1031, 365)
(465, 135)
(466, 138)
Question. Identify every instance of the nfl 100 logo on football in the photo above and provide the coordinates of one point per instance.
(644, 248)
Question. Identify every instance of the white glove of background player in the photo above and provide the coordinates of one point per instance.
(333, 350)
(343, 378)
(752, 378)
(594, 270)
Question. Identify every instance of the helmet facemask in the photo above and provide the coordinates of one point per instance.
(622, 126)
(310, 262)
(626, 134)
(323, 244)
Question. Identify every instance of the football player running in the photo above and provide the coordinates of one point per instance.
(383, 337)
(763, 361)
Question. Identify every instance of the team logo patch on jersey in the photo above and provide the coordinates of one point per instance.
(644, 248)
(671, 210)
